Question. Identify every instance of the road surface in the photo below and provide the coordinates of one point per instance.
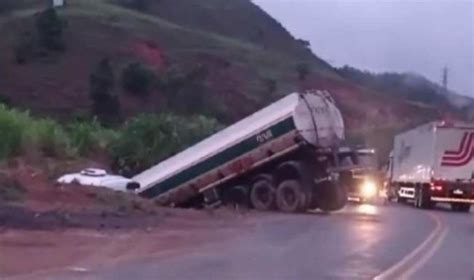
(360, 242)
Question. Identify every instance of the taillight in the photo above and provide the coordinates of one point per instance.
(436, 187)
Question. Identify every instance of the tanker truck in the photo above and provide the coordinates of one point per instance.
(283, 157)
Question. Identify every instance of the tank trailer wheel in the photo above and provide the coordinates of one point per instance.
(290, 196)
(331, 196)
(237, 196)
(262, 195)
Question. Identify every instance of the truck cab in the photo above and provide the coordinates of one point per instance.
(362, 179)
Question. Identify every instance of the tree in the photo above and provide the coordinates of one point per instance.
(137, 78)
(270, 85)
(303, 71)
(304, 43)
(25, 48)
(188, 92)
(5, 100)
(105, 105)
(50, 30)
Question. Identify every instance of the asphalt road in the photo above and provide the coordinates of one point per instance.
(360, 242)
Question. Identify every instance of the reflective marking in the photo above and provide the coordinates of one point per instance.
(452, 199)
(412, 262)
(78, 269)
(426, 257)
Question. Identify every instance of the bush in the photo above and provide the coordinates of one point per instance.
(89, 137)
(25, 48)
(138, 79)
(136, 4)
(5, 100)
(10, 189)
(47, 137)
(303, 70)
(188, 92)
(105, 105)
(148, 139)
(50, 30)
(22, 134)
(12, 126)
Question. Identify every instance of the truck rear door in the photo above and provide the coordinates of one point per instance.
(454, 154)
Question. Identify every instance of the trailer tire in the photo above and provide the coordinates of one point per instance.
(237, 196)
(262, 195)
(331, 196)
(422, 198)
(465, 207)
(290, 196)
(461, 207)
(401, 200)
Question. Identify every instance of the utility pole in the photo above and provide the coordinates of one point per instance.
(445, 79)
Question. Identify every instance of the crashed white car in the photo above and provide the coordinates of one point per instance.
(99, 178)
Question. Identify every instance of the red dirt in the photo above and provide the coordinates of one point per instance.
(150, 52)
(57, 227)
(48, 251)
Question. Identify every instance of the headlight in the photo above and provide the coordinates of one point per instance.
(368, 189)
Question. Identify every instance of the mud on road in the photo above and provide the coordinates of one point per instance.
(60, 240)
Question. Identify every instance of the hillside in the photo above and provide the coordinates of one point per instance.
(232, 58)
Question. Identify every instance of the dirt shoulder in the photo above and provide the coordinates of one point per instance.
(46, 227)
(52, 246)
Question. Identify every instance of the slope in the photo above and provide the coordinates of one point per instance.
(247, 59)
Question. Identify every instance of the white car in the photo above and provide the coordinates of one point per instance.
(99, 178)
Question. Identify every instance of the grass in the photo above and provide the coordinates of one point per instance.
(10, 189)
(192, 39)
(22, 134)
(136, 145)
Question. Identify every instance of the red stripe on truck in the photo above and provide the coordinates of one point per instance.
(464, 153)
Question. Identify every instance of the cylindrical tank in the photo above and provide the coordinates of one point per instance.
(300, 113)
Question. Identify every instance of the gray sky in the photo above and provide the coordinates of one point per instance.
(387, 35)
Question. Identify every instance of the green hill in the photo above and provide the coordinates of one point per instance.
(220, 58)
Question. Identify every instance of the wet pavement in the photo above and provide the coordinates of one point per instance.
(359, 242)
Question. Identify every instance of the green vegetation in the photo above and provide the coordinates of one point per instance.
(303, 70)
(89, 137)
(136, 4)
(22, 134)
(10, 189)
(221, 59)
(148, 139)
(46, 37)
(105, 104)
(409, 86)
(5, 100)
(50, 30)
(141, 142)
(138, 79)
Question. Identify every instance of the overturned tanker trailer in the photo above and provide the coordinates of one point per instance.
(283, 157)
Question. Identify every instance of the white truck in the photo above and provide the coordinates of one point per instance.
(434, 163)
(282, 157)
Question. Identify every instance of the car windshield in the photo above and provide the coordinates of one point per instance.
(237, 139)
(367, 160)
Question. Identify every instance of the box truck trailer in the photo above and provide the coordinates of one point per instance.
(434, 163)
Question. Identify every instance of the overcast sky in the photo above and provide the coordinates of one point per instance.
(387, 35)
